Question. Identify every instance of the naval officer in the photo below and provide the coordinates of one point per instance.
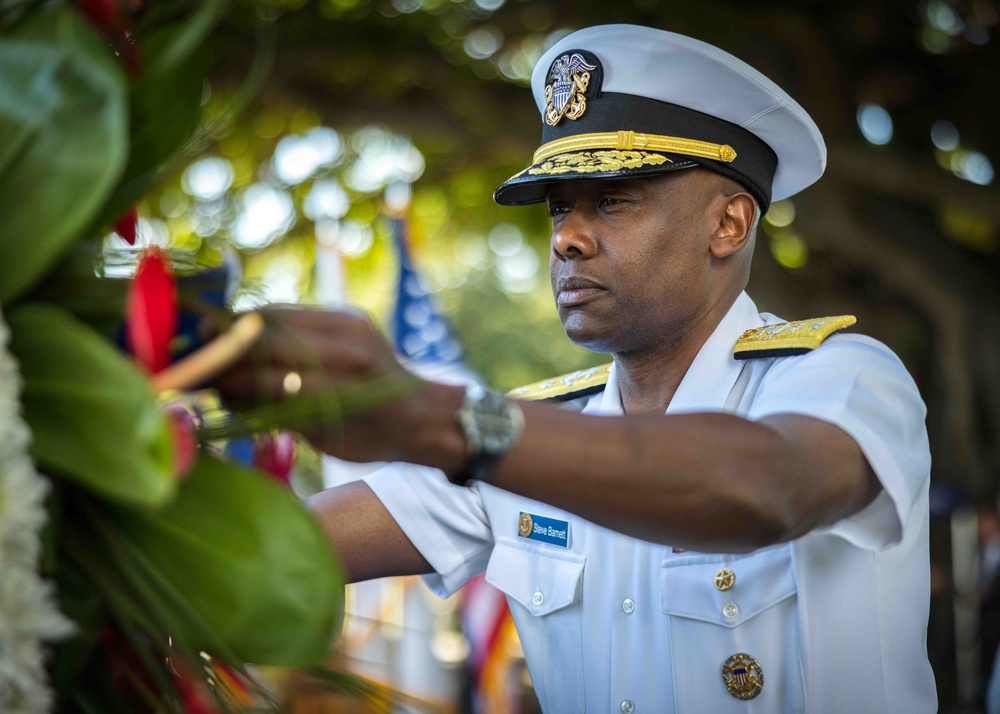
(731, 516)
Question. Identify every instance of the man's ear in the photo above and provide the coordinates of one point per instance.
(735, 221)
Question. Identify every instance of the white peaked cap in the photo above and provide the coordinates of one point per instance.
(672, 92)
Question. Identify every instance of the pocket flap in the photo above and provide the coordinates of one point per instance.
(761, 580)
(541, 581)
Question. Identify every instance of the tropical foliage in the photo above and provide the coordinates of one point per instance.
(174, 569)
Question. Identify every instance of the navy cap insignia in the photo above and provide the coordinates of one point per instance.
(743, 676)
(566, 85)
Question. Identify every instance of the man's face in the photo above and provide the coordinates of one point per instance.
(630, 259)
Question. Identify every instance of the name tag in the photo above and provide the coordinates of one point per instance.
(541, 528)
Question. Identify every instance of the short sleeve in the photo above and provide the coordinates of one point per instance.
(446, 523)
(859, 385)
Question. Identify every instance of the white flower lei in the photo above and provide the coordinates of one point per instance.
(28, 611)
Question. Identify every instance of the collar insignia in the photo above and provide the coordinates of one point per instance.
(567, 83)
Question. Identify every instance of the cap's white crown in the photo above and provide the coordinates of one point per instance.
(673, 68)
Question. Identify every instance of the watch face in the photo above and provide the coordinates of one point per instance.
(492, 425)
(497, 429)
(494, 442)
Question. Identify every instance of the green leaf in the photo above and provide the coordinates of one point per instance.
(250, 560)
(165, 108)
(64, 125)
(92, 413)
(188, 39)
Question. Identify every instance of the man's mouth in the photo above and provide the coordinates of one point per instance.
(573, 291)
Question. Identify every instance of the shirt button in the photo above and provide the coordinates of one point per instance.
(731, 610)
(627, 706)
(538, 598)
(628, 605)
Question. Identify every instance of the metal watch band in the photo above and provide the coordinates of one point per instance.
(492, 424)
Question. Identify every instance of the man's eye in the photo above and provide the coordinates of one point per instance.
(557, 210)
(610, 201)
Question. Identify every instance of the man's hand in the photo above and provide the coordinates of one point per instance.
(360, 403)
(713, 482)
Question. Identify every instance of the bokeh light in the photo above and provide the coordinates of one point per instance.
(482, 42)
(208, 178)
(789, 250)
(944, 135)
(267, 213)
(383, 158)
(875, 123)
(327, 199)
(780, 214)
(296, 158)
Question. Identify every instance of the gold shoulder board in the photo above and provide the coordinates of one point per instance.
(789, 338)
(569, 386)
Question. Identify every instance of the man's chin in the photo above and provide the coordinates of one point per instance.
(589, 336)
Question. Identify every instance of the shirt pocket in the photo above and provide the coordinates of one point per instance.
(723, 605)
(543, 589)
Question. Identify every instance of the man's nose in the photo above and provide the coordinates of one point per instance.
(574, 237)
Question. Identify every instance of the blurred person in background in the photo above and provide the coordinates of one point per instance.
(988, 590)
(749, 532)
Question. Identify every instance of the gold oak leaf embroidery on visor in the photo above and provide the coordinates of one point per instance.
(588, 162)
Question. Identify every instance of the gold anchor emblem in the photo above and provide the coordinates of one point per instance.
(525, 524)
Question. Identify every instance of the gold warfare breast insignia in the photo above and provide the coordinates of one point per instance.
(524, 525)
(567, 85)
(743, 676)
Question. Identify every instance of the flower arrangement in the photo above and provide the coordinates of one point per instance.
(154, 571)
(28, 613)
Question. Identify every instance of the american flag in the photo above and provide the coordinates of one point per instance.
(425, 339)
(419, 331)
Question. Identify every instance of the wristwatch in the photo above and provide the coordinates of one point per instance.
(492, 424)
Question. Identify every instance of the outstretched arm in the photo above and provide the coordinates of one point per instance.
(370, 543)
(702, 481)
(712, 482)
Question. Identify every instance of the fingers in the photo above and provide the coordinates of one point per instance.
(287, 349)
(248, 384)
(351, 322)
(301, 338)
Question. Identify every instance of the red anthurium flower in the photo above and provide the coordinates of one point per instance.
(126, 668)
(105, 14)
(151, 311)
(194, 698)
(185, 433)
(274, 454)
(231, 686)
(126, 225)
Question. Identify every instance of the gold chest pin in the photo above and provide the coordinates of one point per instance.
(725, 579)
(743, 676)
(524, 525)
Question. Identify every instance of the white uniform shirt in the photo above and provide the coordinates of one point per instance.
(837, 619)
